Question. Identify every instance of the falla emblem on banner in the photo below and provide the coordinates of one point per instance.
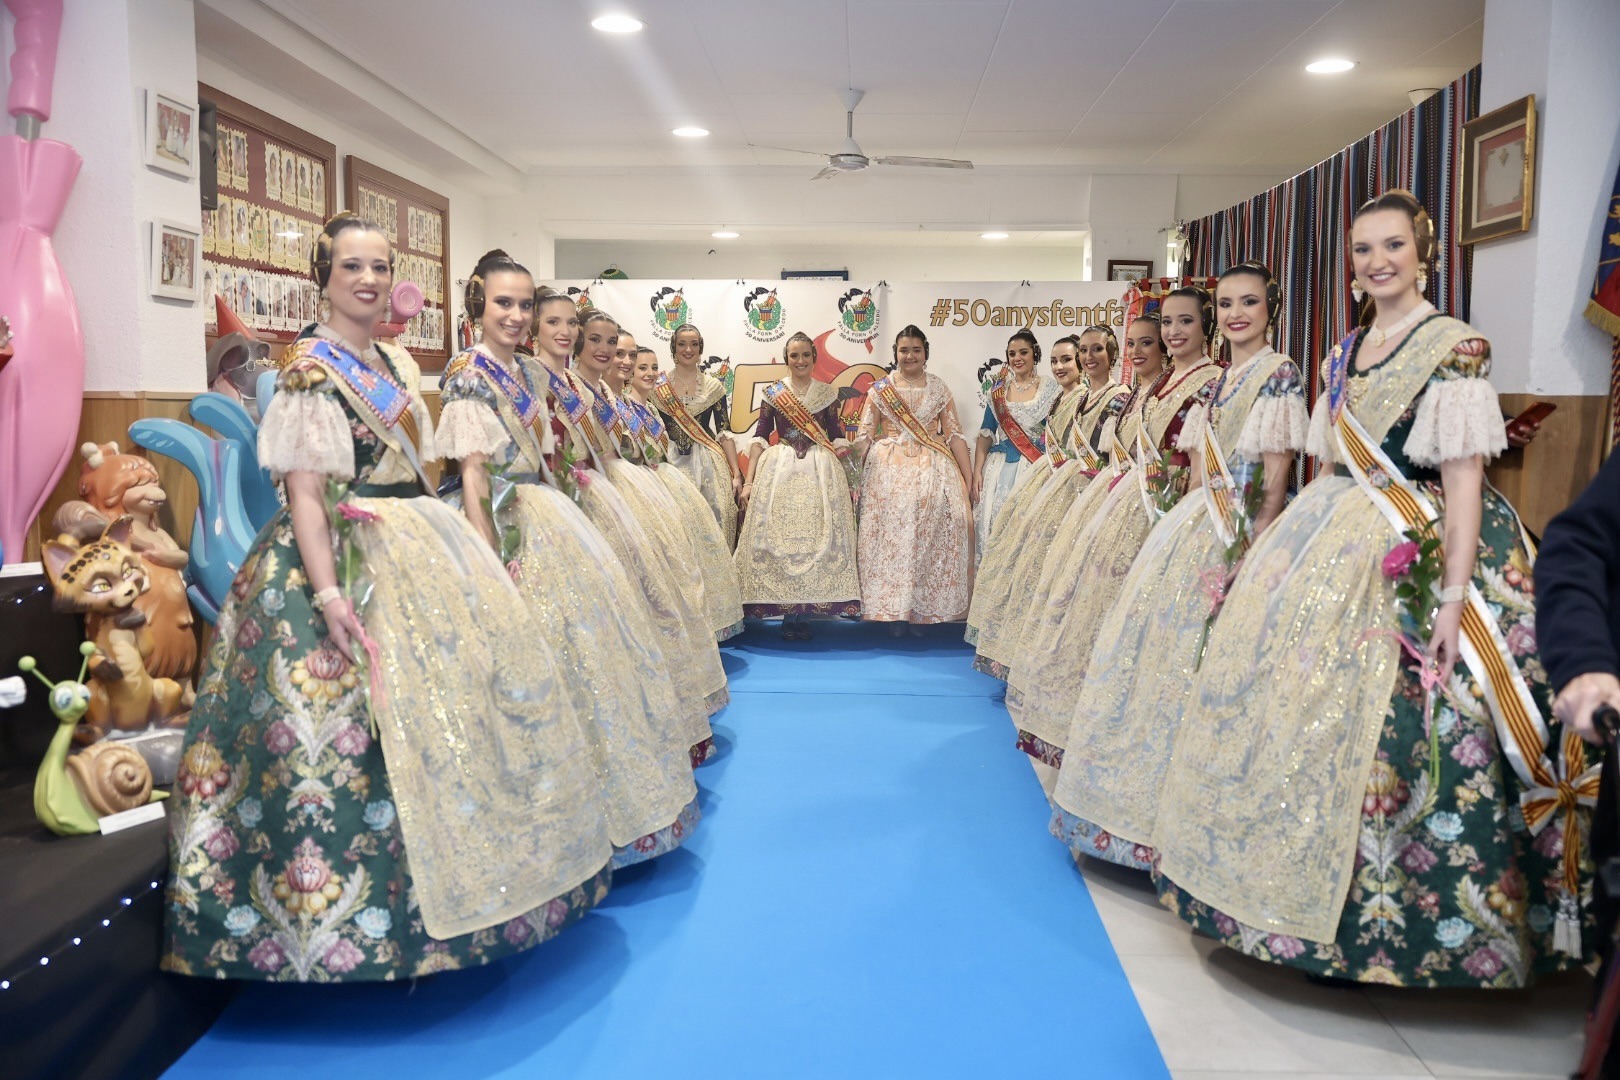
(765, 316)
(580, 297)
(669, 310)
(858, 311)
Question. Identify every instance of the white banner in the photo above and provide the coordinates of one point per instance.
(745, 325)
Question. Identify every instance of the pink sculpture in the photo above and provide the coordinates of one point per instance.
(42, 387)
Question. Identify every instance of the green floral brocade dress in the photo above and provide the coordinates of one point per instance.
(306, 844)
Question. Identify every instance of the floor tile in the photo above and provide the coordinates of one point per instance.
(1136, 923)
(1226, 1012)
(1479, 1033)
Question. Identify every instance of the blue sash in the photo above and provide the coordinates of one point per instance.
(382, 395)
(573, 406)
(528, 409)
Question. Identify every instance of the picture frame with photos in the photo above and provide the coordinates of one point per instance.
(175, 260)
(1129, 269)
(416, 220)
(171, 134)
(1499, 172)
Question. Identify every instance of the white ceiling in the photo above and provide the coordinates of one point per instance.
(1159, 85)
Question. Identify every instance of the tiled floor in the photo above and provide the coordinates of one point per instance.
(1221, 1016)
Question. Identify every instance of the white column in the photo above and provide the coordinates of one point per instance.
(1529, 290)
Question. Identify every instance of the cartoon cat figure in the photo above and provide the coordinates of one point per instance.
(104, 579)
(114, 484)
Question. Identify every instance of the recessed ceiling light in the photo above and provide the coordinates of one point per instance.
(725, 234)
(1329, 66)
(617, 24)
(690, 132)
(992, 236)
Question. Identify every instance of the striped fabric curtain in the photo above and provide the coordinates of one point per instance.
(1300, 228)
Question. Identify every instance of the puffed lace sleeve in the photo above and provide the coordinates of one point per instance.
(1191, 438)
(1458, 415)
(950, 424)
(1278, 422)
(869, 421)
(469, 418)
(305, 428)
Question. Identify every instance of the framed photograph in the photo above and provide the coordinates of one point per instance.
(305, 203)
(289, 179)
(1499, 172)
(1129, 269)
(240, 165)
(171, 134)
(272, 172)
(317, 189)
(176, 260)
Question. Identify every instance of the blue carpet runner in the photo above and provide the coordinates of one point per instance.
(871, 893)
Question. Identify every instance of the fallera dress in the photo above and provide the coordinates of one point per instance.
(580, 443)
(1086, 565)
(1010, 569)
(796, 551)
(1147, 651)
(696, 425)
(660, 494)
(1366, 844)
(915, 543)
(596, 622)
(455, 820)
(1017, 432)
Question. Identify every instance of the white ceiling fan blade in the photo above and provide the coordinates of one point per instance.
(827, 173)
(924, 162)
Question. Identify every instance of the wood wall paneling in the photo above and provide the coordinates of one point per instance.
(1560, 461)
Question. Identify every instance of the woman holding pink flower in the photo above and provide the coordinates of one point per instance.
(1368, 783)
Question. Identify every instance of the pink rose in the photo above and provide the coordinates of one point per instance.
(267, 956)
(350, 512)
(280, 738)
(1483, 963)
(221, 844)
(249, 634)
(1472, 752)
(556, 912)
(1401, 559)
(581, 478)
(343, 957)
(351, 741)
(1284, 946)
(1521, 640)
(1418, 859)
(518, 931)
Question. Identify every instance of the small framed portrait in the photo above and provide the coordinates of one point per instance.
(259, 227)
(305, 203)
(272, 172)
(210, 282)
(176, 260)
(239, 160)
(1129, 269)
(317, 188)
(171, 134)
(289, 179)
(207, 233)
(278, 240)
(1499, 172)
(242, 236)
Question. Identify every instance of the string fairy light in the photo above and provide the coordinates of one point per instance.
(77, 940)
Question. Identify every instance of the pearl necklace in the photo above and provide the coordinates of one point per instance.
(1380, 334)
(1021, 383)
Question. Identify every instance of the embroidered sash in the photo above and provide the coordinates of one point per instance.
(1149, 470)
(576, 411)
(786, 402)
(1520, 727)
(382, 403)
(523, 403)
(1009, 423)
(888, 393)
(672, 405)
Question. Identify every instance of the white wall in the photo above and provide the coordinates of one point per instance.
(974, 260)
(1529, 290)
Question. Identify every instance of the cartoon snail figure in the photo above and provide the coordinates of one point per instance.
(73, 792)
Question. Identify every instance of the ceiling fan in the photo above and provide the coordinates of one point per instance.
(849, 157)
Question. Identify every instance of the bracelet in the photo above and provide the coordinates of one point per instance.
(1454, 594)
(327, 595)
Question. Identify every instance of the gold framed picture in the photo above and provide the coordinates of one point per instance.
(1499, 172)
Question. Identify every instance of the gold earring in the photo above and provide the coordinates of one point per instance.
(1356, 290)
(323, 310)
(1422, 280)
